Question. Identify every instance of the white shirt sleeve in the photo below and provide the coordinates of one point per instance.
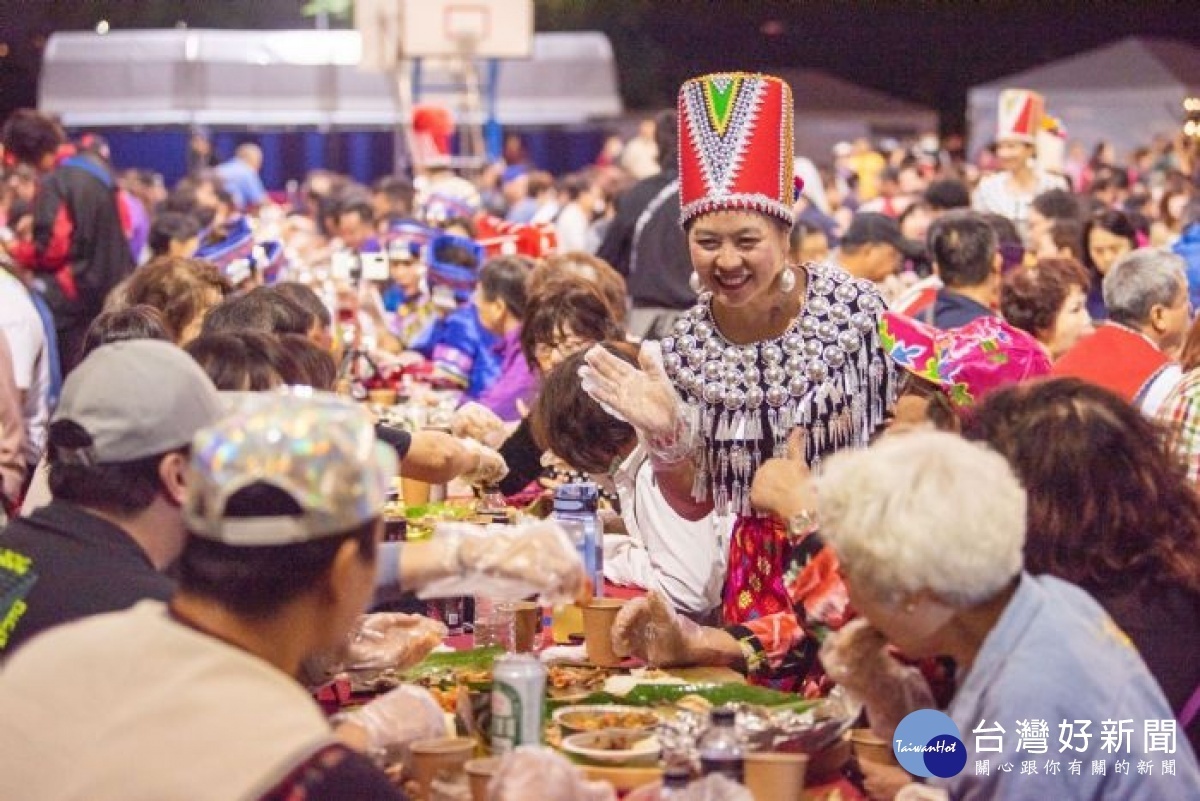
(685, 560)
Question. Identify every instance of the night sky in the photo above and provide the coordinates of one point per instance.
(930, 52)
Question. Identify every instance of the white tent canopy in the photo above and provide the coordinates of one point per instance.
(298, 78)
(831, 110)
(1125, 93)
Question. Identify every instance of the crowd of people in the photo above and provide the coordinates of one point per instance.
(923, 428)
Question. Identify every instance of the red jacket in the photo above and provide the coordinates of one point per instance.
(78, 239)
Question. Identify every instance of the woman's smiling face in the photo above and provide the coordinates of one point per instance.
(738, 255)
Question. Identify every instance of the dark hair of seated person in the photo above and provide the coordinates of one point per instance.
(317, 365)
(247, 361)
(257, 582)
(504, 278)
(261, 309)
(121, 488)
(572, 426)
(123, 325)
(1109, 506)
(304, 296)
(563, 307)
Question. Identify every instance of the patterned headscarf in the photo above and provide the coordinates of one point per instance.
(964, 363)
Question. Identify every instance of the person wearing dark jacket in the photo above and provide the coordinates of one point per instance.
(78, 245)
(645, 243)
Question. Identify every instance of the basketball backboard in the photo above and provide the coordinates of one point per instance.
(480, 28)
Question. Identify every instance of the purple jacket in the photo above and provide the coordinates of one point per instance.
(516, 381)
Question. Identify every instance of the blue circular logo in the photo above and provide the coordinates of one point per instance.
(927, 743)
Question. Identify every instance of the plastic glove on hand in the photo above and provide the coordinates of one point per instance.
(399, 717)
(644, 398)
(490, 467)
(392, 640)
(857, 658)
(478, 422)
(650, 629)
(535, 772)
(540, 555)
(854, 651)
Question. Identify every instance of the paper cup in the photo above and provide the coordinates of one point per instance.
(775, 776)
(869, 748)
(479, 775)
(598, 617)
(527, 619)
(382, 397)
(414, 493)
(430, 758)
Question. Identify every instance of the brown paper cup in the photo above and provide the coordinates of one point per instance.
(598, 617)
(442, 755)
(527, 619)
(415, 493)
(382, 397)
(869, 748)
(775, 776)
(479, 775)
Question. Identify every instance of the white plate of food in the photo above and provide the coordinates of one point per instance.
(614, 746)
(595, 717)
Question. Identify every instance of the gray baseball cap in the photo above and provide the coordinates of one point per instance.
(134, 399)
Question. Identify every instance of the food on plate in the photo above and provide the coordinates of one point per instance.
(596, 718)
(568, 679)
(614, 747)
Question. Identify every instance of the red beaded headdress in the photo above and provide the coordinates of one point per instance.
(735, 146)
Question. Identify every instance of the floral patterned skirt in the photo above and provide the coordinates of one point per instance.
(755, 586)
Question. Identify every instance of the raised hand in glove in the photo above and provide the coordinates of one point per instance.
(478, 422)
(856, 657)
(394, 720)
(644, 398)
(489, 466)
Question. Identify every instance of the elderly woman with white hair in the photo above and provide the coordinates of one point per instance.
(929, 530)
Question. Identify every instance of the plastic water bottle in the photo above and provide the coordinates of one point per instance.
(576, 510)
(720, 747)
(675, 783)
(495, 624)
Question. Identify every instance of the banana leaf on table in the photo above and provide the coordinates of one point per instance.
(716, 694)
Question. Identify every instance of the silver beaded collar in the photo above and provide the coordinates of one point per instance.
(827, 373)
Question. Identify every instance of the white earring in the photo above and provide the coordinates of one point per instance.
(695, 283)
(787, 281)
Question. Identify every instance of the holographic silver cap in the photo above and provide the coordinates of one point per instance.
(317, 447)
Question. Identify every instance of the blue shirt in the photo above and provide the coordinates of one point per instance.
(952, 310)
(242, 182)
(462, 350)
(1055, 655)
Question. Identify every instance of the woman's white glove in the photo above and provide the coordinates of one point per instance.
(645, 398)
